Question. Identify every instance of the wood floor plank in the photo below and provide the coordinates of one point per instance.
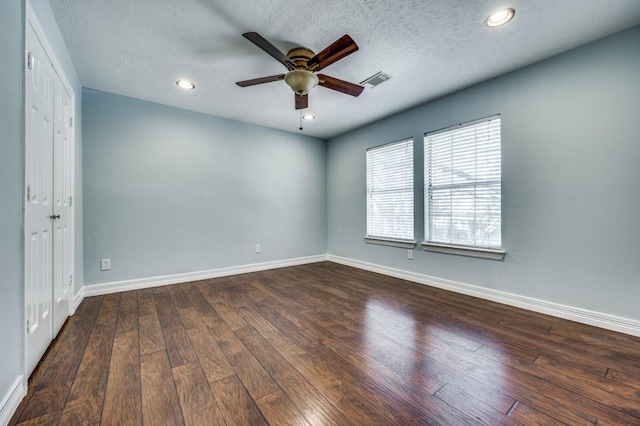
(623, 378)
(188, 314)
(160, 403)
(507, 354)
(278, 409)
(235, 403)
(122, 405)
(530, 416)
(167, 312)
(212, 360)
(128, 312)
(251, 373)
(179, 346)
(51, 393)
(48, 419)
(146, 303)
(268, 331)
(151, 337)
(226, 312)
(207, 313)
(84, 405)
(313, 405)
(473, 407)
(196, 399)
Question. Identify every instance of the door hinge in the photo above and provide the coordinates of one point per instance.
(70, 280)
(70, 121)
(28, 192)
(28, 325)
(30, 60)
(70, 201)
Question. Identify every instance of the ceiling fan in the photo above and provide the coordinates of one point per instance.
(302, 63)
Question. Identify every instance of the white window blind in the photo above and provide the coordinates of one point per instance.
(390, 191)
(462, 184)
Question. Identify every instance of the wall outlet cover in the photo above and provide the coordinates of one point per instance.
(105, 264)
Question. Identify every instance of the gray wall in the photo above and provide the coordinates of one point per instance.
(46, 18)
(11, 301)
(169, 191)
(571, 156)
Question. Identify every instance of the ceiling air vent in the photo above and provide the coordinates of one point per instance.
(375, 79)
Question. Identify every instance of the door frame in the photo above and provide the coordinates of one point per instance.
(31, 20)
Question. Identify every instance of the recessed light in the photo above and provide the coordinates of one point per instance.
(185, 84)
(500, 17)
(308, 117)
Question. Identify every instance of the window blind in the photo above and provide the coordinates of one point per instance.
(390, 191)
(463, 173)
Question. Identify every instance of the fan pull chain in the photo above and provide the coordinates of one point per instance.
(300, 119)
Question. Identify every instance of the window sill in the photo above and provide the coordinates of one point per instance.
(408, 244)
(483, 253)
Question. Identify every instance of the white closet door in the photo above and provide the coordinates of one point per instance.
(39, 200)
(62, 249)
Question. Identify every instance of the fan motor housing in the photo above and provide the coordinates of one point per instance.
(300, 56)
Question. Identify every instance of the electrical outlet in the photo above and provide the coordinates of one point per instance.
(410, 254)
(256, 249)
(105, 264)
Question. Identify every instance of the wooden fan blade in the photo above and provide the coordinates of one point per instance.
(261, 80)
(339, 49)
(263, 44)
(340, 85)
(302, 102)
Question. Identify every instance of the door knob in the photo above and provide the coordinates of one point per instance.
(54, 216)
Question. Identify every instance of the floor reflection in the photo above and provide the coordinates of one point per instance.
(428, 353)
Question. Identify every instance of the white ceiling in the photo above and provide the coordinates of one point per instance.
(139, 48)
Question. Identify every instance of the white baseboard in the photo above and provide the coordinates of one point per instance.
(118, 286)
(77, 300)
(12, 400)
(584, 316)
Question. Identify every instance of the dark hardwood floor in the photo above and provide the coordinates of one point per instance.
(325, 344)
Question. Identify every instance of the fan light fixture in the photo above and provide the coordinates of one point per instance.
(500, 17)
(302, 64)
(308, 117)
(301, 81)
(185, 84)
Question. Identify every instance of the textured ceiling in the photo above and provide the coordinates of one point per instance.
(139, 48)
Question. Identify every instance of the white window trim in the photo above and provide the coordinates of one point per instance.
(408, 244)
(470, 251)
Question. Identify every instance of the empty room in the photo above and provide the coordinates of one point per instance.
(358, 212)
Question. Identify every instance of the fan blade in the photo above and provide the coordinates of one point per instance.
(263, 44)
(302, 102)
(339, 49)
(340, 85)
(261, 80)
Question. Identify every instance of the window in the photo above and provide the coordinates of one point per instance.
(462, 189)
(390, 194)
